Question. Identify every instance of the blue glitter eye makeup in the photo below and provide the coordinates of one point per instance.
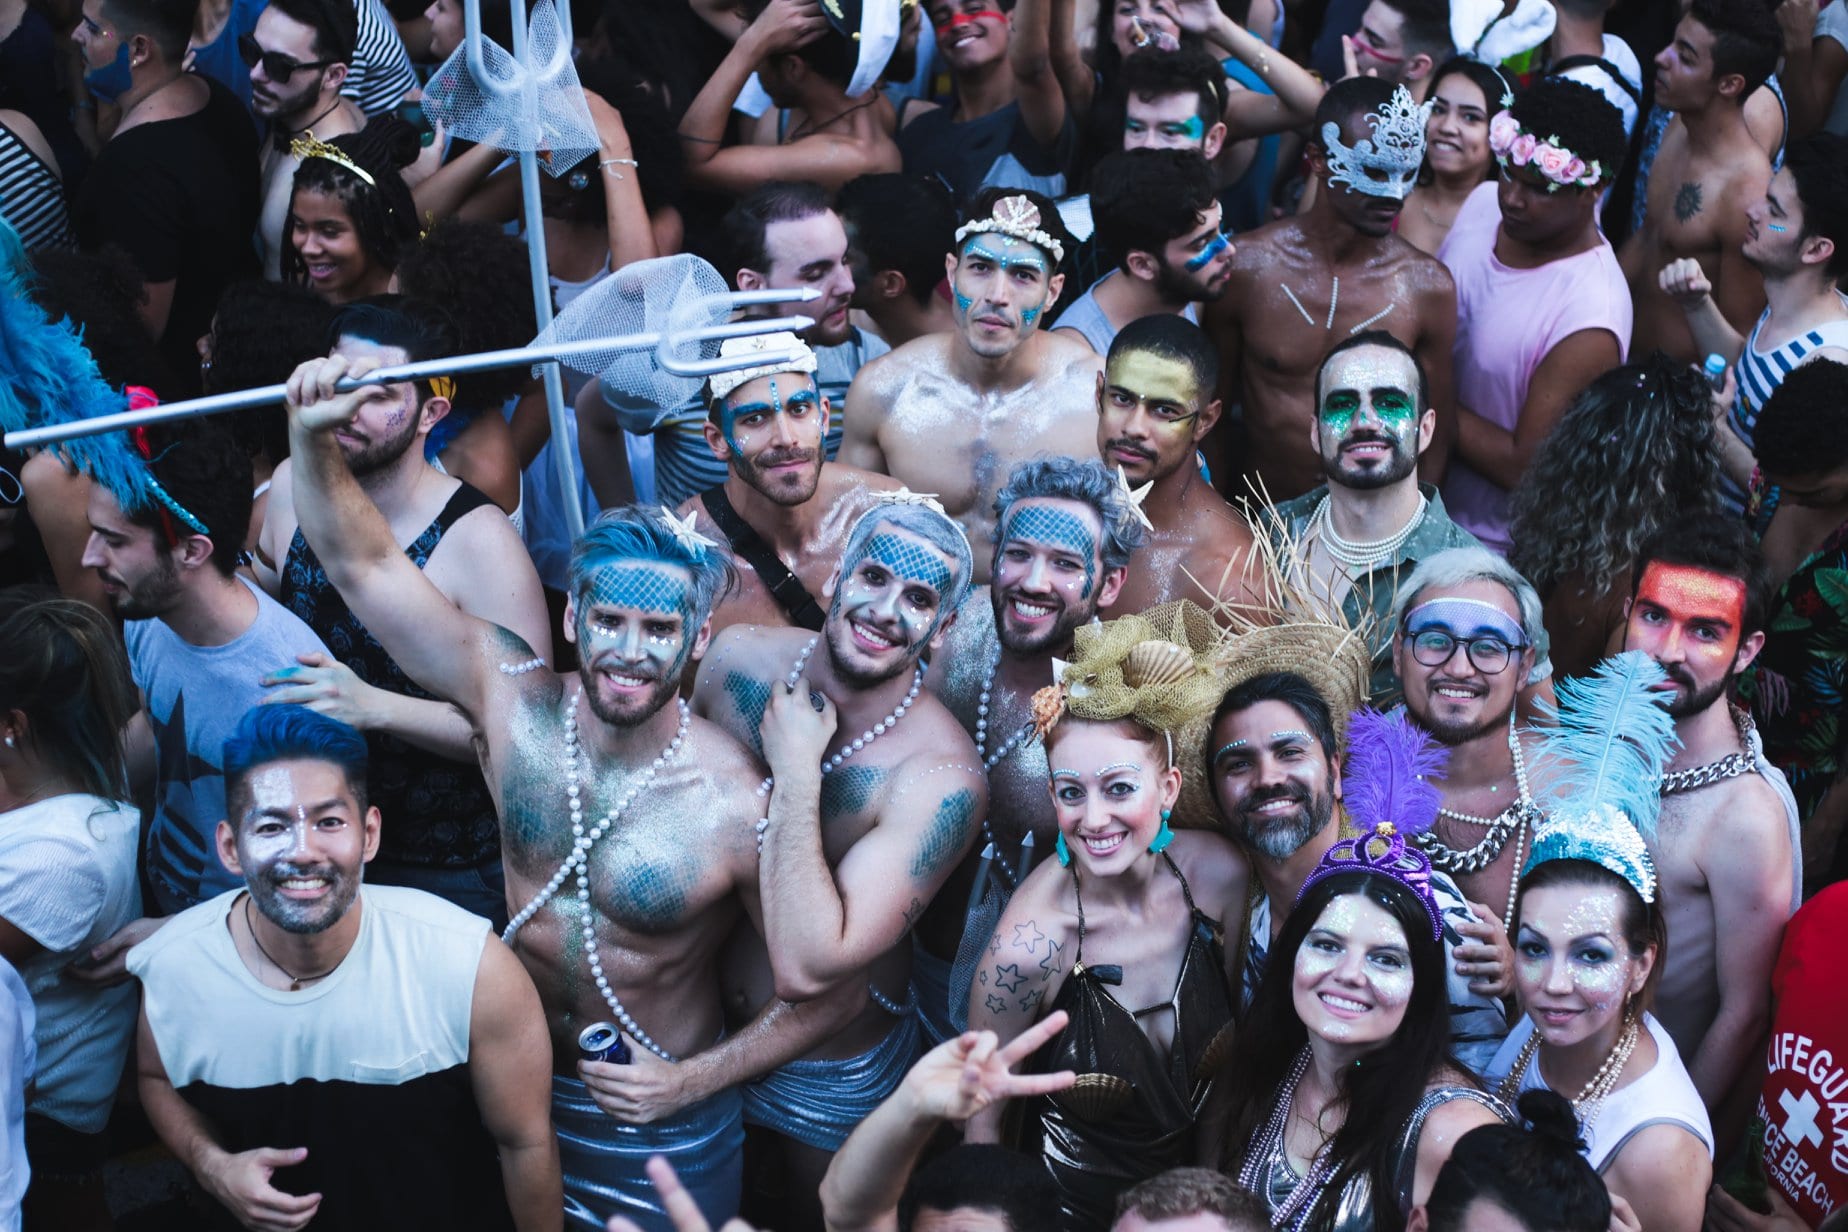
(1057, 528)
(1218, 244)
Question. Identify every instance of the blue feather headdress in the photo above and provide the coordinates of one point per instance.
(1600, 770)
(47, 377)
(1389, 793)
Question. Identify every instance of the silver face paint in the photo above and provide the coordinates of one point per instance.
(1352, 977)
(1573, 970)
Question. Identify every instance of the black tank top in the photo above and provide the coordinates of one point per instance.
(1132, 1112)
(437, 813)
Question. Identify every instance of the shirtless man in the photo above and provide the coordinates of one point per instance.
(1463, 643)
(784, 509)
(1067, 531)
(952, 413)
(1154, 405)
(1725, 848)
(1303, 283)
(1708, 172)
(661, 808)
(878, 793)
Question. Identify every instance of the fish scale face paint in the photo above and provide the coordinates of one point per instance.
(1038, 523)
(909, 559)
(1465, 618)
(660, 589)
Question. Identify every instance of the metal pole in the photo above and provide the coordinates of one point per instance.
(270, 395)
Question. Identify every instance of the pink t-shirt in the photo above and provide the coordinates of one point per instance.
(1508, 320)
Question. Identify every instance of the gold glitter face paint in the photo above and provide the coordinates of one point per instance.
(1683, 613)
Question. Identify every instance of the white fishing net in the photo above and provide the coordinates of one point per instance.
(665, 295)
(516, 108)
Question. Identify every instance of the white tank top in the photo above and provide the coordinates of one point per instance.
(1664, 1096)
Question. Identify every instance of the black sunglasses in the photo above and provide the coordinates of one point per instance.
(276, 66)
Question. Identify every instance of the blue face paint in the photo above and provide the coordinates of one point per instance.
(1031, 258)
(778, 405)
(654, 589)
(1057, 528)
(1771, 226)
(630, 586)
(1029, 315)
(907, 559)
(1205, 256)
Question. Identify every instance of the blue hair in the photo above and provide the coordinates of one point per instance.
(1083, 480)
(641, 533)
(268, 734)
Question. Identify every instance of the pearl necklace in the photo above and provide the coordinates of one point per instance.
(1590, 1100)
(1512, 821)
(1364, 556)
(579, 860)
(990, 761)
(870, 734)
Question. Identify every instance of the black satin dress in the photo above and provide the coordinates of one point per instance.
(1132, 1112)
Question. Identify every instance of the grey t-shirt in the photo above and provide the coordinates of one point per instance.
(195, 695)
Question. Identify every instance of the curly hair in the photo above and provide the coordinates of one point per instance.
(1084, 481)
(384, 214)
(478, 274)
(1189, 69)
(1583, 120)
(904, 223)
(101, 293)
(261, 331)
(1633, 453)
(1799, 431)
(203, 468)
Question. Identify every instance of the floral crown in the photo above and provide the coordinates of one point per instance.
(1018, 217)
(1390, 791)
(1511, 143)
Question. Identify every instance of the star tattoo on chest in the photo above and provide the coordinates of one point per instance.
(1687, 201)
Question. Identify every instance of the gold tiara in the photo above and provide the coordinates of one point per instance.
(309, 146)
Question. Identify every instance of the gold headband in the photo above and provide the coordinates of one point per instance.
(443, 387)
(309, 146)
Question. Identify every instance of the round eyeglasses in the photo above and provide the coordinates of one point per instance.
(1487, 653)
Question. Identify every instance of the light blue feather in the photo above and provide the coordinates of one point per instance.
(1391, 772)
(48, 377)
(1612, 738)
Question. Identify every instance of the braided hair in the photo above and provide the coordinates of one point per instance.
(383, 213)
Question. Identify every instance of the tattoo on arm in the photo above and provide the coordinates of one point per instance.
(1030, 1003)
(750, 696)
(996, 1005)
(1028, 936)
(1008, 977)
(947, 834)
(1051, 964)
(1687, 201)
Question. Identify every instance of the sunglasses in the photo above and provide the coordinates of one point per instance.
(276, 66)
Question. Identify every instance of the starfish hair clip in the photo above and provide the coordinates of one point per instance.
(684, 532)
(1132, 499)
(905, 496)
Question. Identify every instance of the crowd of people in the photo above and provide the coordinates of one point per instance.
(1060, 741)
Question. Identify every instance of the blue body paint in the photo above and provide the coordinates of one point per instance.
(1204, 257)
(1056, 527)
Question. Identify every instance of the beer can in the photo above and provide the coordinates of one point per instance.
(602, 1041)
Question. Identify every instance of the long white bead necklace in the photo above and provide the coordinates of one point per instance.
(579, 860)
(989, 762)
(870, 734)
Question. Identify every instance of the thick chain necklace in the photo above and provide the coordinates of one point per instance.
(1730, 766)
(578, 861)
(1363, 556)
(1268, 1152)
(1512, 822)
(1590, 1099)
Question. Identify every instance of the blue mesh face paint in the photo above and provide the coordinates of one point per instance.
(1205, 257)
(907, 559)
(659, 593)
(1043, 524)
(655, 589)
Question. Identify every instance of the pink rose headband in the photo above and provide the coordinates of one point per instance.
(1560, 166)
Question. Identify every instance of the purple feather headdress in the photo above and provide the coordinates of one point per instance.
(1389, 793)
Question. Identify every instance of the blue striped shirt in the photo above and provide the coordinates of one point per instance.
(1759, 373)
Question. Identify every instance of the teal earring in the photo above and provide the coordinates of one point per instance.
(1064, 852)
(1163, 836)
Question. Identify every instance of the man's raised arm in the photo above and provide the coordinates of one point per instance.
(439, 646)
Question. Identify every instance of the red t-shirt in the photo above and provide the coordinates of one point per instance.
(1804, 1103)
